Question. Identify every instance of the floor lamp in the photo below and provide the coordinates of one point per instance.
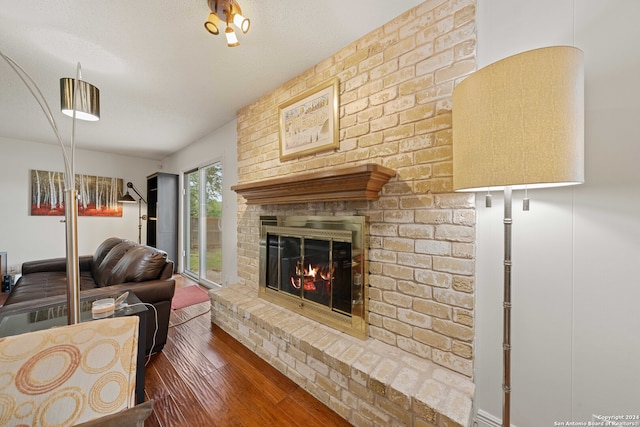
(128, 198)
(79, 100)
(517, 124)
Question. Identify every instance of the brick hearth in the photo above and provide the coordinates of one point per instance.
(365, 381)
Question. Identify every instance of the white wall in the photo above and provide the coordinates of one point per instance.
(576, 321)
(220, 145)
(25, 237)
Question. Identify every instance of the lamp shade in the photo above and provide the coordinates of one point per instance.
(127, 198)
(87, 104)
(519, 122)
(232, 39)
(241, 22)
(213, 24)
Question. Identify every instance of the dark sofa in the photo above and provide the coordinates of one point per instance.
(118, 265)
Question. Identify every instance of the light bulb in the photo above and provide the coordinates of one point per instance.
(241, 22)
(232, 39)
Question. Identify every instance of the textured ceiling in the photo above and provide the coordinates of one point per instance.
(164, 81)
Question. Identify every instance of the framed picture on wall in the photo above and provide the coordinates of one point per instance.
(308, 123)
(97, 195)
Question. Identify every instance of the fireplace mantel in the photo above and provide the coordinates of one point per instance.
(362, 182)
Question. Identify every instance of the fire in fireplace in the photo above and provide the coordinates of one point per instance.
(316, 266)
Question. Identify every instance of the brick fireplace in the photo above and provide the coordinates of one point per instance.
(416, 365)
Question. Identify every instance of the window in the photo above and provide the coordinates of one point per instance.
(203, 225)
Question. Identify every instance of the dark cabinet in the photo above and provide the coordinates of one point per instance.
(162, 214)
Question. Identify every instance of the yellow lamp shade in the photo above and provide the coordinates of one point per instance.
(213, 24)
(519, 122)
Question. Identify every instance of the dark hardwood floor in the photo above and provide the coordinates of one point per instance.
(204, 377)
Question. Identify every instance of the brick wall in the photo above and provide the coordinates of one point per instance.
(395, 110)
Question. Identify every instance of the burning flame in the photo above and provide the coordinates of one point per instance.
(311, 272)
(295, 282)
(308, 277)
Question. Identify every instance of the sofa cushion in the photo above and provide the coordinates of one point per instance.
(104, 271)
(102, 252)
(139, 264)
(46, 284)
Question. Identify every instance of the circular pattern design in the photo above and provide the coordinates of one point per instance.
(112, 329)
(128, 362)
(29, 379)
(59, 404)
(6, 379)
(14, 350)
(61, 337)
(103, 386)
(25, 409)
(97, 352)
(7, 406)
(83, 336)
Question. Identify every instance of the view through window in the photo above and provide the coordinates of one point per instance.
(203, 227)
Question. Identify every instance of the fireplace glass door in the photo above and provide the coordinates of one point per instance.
(313, 269)
(315, 266)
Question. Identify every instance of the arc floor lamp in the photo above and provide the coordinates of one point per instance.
(79, 100)
(519, 123)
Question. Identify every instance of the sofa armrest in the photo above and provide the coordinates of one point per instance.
(54, 264)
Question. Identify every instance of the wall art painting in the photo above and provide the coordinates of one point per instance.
(309, 122)
(97, 195)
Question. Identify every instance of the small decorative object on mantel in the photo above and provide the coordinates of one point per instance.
(309, 122)
(362, 182)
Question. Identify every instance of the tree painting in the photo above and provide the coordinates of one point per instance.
(97, 195)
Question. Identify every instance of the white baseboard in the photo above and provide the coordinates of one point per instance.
(485, 419)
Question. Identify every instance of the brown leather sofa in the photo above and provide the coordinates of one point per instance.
(118, 265)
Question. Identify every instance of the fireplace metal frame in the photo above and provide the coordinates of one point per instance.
(332, 227)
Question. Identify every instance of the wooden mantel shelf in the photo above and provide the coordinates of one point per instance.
(362, 182)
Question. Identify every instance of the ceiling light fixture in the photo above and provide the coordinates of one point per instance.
(227, 11)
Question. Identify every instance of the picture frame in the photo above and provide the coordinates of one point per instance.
(309, 122)
(97, 195)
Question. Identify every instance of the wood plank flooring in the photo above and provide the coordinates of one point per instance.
(204, 377)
